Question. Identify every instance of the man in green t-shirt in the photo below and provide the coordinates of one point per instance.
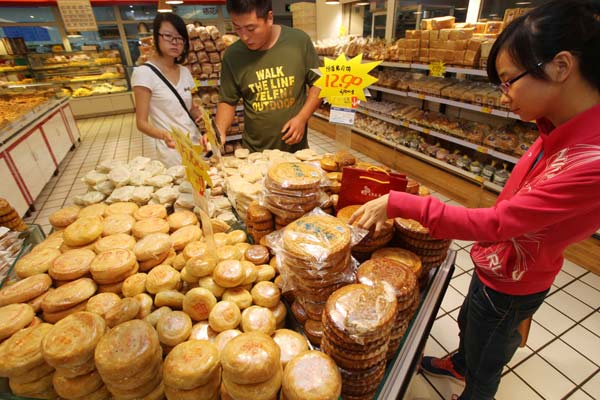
(269, 68)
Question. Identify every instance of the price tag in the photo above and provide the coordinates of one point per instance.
(212, 82)
(486, 110)
(479, 179)
(196, 169)
(421, 96)
(426, 131)
(437, 69)
(343, 82)
(483, 150)
(405, 124)
(342, 115)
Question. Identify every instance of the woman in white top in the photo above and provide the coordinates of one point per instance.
(157, 109)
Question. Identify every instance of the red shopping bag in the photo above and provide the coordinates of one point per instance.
(360, 186)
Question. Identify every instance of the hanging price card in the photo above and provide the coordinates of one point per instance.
(483, 150)
(486, 110)
(196, 169)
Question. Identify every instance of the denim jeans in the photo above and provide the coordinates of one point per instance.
(488, 322)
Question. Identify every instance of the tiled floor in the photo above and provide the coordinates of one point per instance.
(562, 356)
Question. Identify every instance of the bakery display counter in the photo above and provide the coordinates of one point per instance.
(32, 147)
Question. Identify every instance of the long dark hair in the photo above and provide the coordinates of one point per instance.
(179, 25)
(559, 25)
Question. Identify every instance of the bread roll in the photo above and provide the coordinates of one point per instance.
(125, 310)
(181, 218)
(209, 283)
(201, 266)
(312, 375)
(236, 236)
(187, 277)
(259, 391)
(22, 351)
(83, 231)
(191, 364)
(198, 303)
(195, 249)
(71, 265)
(279, 312)
(134, 285)
(161, 278)
(155, 315)
(82, 369)
(73, 388)
(257, 254)
(228, 253)
(240, 296)
(101, 303)
(265, 294)
(93, 210)
(178, 262)
(69, 295)
(64, 217)
(185, 235)
(147, 226)
(250, 358)
(118, 223)
(169, 298)
(224, 315)
(242, 247)
(229, 273)
(25, 290)
(174, 328)
(13, 318)
(147, 265)
(265, 273)
(33, 374)
(113, 266)
(118, 241)
(37, 302)
(151, 211)
(256, 318)
(220, 239)
(291, 344)
(251, 273)
(146, 304)
(42, 385)
(152, 246)
(72, 341)
(210, 391)
(36, 262)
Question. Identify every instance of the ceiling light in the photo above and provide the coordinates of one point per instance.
(362, 3)
(74, 35)
(174, 1)
(332, 2)
(523, 3)
(31, 16)
(460, 8)
(163, 7)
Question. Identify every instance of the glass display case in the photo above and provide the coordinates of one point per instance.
(81, 73)
(17, 101)
(14, 69)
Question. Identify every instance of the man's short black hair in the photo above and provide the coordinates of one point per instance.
(262, 7)
(179, 25)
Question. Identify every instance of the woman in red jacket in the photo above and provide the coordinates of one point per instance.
(547, 65)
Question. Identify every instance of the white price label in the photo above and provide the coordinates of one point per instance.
(340, 115)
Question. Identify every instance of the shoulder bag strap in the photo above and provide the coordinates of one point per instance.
(170, 86)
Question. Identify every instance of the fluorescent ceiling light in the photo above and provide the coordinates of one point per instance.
(163, 7)
(333, 2)
(174, 2)
(523, 3)
(362, 3)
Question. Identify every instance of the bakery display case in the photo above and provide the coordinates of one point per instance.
(81, 73)
(14, 69)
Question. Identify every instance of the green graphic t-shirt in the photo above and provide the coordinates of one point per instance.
(273, 86)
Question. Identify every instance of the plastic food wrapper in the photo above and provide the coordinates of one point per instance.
(108, 165)
(124, 193)
(119, 176)
(104, 187)
(362, 313)
(176, 171)
(89, 198)
(138, 178)
(186, 187)
(155, 167)
(166, 195)
(93, 178)
(142, 194)
(139, 162)
(159, 181)
(185, 200)
(313, 254)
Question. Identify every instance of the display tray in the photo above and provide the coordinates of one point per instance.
(10, 130)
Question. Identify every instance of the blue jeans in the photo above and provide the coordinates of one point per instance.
(488, 322)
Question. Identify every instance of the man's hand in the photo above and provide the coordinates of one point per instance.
(293, 130)
(372, 213)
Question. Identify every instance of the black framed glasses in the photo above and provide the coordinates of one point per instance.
(505, 86)
(171, 38)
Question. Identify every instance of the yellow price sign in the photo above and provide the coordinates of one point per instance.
(405, 124)
(426, 131)
(196, 169)
(343, 82)
(483, 150)
(486, 110)
(421, 96)
(479, 179)
(437, 69)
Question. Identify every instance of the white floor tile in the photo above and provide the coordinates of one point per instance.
(591, 279)
(433, 349)
(580, 395)
(463, 259)
(445, 331)
(521, 354)
(584, 342)
(569, 305)
(552, 319)
(563, 279)
(454, 314)
(592, 322)
(420, 389)
(544, 379)
(568, 361)
(452, 300)
(512, 387)
(447, 387)
(573, 269)
(592, 386)
(538, 336)
(461, 283)
(585, 293)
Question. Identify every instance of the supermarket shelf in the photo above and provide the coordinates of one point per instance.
(55, 67)
(449, 138)
(232, 138)
(20, 68)
(316, 114)
(395, 64)
(92, 80)
(208, 83)
(431, 160)
(466, 106)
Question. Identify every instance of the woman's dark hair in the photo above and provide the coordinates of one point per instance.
(559, 25)
(179, 25)
(262, 7)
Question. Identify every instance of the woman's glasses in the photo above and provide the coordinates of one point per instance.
(171, 38)
(505, 86)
